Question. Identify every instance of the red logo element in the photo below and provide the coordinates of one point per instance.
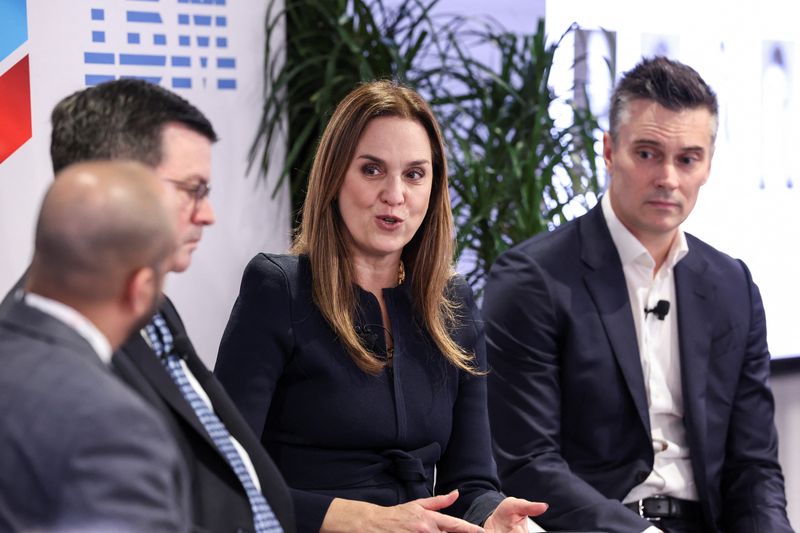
(15, 108)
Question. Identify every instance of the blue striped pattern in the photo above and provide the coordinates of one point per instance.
(198, 27)
(161, 339)
(143, 59)
(182, 83)
(151, 17)
(98, 58)
(94, 79)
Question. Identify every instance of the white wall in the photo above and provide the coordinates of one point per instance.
(786, 388)
(514, 15)
(248, 219)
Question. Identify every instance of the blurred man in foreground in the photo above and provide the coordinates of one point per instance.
(80, 451)
(234, 483)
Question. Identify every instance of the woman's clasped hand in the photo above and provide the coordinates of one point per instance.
(424, 516)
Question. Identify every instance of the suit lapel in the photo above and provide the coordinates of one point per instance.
(605, 281)
(230, 415)
(224, 408)
(143, 357)
(13, 295)
(694, 292)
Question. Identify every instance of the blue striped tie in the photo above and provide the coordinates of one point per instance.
(160, 337)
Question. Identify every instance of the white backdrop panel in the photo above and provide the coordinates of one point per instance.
(249, 220)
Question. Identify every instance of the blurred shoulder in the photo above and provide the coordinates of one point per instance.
(288, 267)
(279, 278)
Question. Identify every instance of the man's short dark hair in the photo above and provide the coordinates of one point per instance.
(669, 83)
(120, 119)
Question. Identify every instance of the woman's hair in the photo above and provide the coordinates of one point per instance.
(322, 234)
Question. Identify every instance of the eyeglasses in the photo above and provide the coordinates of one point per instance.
(197, 192)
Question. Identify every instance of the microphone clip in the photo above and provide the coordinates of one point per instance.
(660, 309)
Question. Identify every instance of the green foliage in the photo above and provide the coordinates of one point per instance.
(332, 45)
(513, 170)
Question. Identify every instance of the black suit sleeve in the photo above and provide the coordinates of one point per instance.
(257, 341)
(752, 484)
(467, 462)
(526, 332)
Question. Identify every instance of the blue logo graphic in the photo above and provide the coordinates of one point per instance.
(13, 25)
(182, 44)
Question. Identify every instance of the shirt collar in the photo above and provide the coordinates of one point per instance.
(628, 246)
(82, 325)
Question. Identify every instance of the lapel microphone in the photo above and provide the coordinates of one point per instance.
(660, 310)
(181, 346)
(369, 336)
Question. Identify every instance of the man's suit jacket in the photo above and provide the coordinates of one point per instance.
(12, 296)
(567, 399)
(79, 451)
(219, 502)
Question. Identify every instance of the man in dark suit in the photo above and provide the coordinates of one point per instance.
(629, 363)
(235, 485)
(80, 451)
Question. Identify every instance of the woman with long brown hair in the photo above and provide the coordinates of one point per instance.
(359, 359)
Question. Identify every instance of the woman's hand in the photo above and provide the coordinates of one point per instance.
(511, 516)
(417, 516)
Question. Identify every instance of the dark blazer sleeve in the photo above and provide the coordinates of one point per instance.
(526, 334)
(255, 347)
(11, 296)
(752, 484)
(467, 463)
(257, 341)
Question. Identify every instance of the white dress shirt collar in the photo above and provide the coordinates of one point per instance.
(659, 352)
(82, 325)
(630, 249)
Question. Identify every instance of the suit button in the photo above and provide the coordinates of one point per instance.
(642, 476)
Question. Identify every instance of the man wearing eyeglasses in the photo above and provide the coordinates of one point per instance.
(235, 485)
